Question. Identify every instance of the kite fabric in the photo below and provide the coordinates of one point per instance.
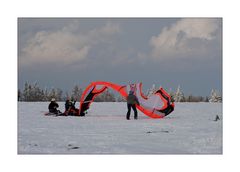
(157, 105)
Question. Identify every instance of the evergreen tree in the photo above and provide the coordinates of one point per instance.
(201, 98)
(59, 93)
(32, 92)
(66, 96)
(76, 93)
(190, 98)
(46, 95)
(151, 91)
(215, 97)
(106, 96)
(172, 94)
(99, 98)
(19, 95)
(178, 97)
(206, 99)
(52, 94)
(26, 92)
(36, 94)
(109, 97)
(121, 99)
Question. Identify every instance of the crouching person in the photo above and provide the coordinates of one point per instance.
(70, 109)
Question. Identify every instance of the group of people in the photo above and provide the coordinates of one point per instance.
(70, 109)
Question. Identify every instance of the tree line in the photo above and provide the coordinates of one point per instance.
(33, 93)
(179, 96)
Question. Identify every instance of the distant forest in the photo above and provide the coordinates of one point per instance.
(33, 93)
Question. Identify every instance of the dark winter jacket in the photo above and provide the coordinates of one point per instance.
(132, 99)
(52, 106)
(69, 104)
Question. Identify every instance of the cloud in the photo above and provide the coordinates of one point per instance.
(188, 37)
(66, 45)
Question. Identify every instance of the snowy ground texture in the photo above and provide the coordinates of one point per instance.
(190, 129)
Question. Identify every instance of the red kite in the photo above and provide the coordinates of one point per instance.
(158, 105)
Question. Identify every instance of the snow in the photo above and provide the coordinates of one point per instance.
(190, 129)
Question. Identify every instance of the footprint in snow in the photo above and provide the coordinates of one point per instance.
(70, 146)
(162, 131)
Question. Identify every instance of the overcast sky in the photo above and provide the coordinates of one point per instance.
(63, 52)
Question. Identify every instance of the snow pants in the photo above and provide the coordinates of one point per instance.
(133, 106)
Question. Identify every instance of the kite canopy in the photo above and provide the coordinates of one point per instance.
(157, 105)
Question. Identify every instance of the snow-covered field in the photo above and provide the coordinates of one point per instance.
(190, 129)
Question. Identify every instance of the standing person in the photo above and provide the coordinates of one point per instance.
(131, 103)
(52, 107)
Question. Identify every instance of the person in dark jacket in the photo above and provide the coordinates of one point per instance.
(132, 100)
(68, 104)
(52, 107)
(70, 108)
